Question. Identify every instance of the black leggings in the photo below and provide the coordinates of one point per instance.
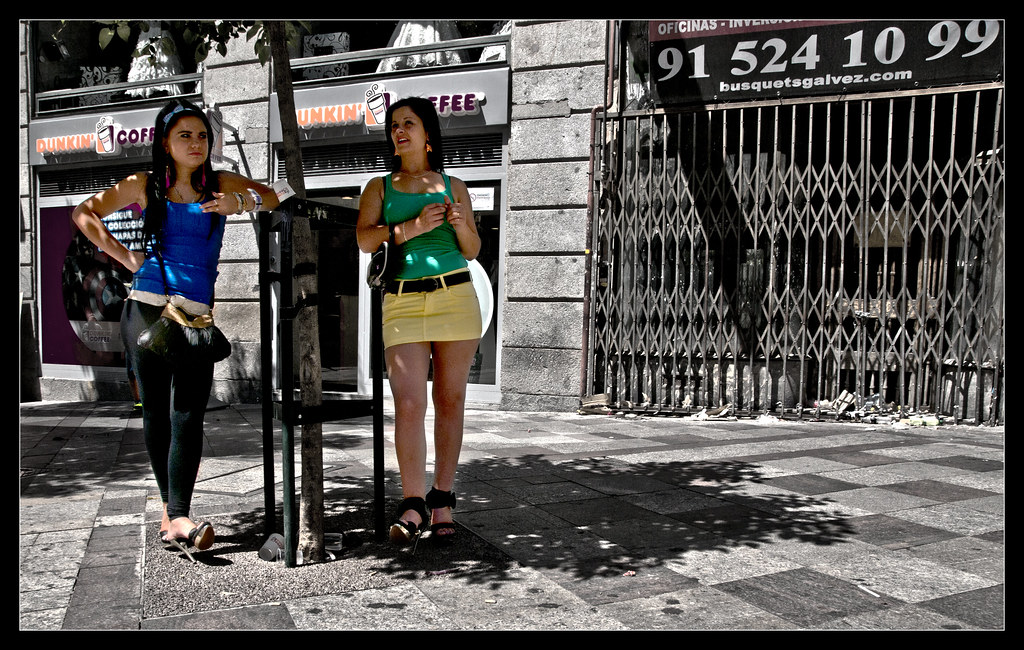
(173, 408)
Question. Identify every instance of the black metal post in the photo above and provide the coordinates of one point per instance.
(377, 370)
(266, 373)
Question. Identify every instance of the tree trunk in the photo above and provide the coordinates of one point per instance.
(311, 507)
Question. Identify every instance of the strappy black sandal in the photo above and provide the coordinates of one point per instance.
(404, 532)
(440, 499)
(200, 537)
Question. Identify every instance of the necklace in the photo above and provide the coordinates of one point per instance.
(420, 175)
(181, 198)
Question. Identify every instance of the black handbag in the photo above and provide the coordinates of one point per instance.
(384, 264)
(183, 339)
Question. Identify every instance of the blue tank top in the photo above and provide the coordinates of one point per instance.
(190, 254)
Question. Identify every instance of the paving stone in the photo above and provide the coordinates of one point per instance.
(103, 617)
(903, 618)
(586, 512)
(715, 564)
(700, 608)
(901, 577)
(980, 609)
(804, 597)
(397, 608)
(601, 580)
(937, 490)
(856, 458)
(112, 585)
(895, 532)
(674, 501)
(654, 535)
(875, 499)
(954, 517)
(810, 484)
(525, 599)
(257, 617)
(47, 619)
(970, 554)
(967, 463)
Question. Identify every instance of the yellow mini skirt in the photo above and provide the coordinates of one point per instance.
(445, 314)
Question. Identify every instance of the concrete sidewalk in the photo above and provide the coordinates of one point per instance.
(566, 522)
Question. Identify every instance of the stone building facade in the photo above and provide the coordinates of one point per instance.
(557, 71)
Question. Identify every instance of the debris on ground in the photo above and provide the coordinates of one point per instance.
(874, 410)
(847, 405)
(716, 413)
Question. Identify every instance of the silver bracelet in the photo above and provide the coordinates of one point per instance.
(257, 199)
(241, 203)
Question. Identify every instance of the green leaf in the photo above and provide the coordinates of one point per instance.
(256, 31)
(124, 30)
(263, 52)
(106, 34)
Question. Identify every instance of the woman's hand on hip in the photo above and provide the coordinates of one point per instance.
(135, 260)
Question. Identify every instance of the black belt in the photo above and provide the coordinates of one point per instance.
(426, 285)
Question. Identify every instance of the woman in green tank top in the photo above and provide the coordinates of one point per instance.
(431, 314)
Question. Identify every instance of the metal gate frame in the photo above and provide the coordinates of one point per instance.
(772, 255)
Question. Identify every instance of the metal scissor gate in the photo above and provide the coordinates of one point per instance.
(770, 255)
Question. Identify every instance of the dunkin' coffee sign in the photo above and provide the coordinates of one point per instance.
(108, 139)
(110, 136)
(372, 110)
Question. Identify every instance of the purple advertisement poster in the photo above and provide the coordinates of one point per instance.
(82, 290)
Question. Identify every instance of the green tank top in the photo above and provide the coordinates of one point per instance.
(431, 253)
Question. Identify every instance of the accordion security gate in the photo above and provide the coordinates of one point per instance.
(771, 256)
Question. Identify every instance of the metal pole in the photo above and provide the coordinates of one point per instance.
(266, 372)
(288, 397)
(377, 368)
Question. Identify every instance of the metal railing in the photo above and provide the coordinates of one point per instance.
(52, 102)
(66, 101)
(771, 256)
(501, 40)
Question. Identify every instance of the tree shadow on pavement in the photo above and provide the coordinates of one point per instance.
(578, 520)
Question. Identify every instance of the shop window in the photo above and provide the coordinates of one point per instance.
(68, 56)
(338, 36)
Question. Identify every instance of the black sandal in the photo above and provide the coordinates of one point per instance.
(404, 532)
(200, 537)
(440, 499)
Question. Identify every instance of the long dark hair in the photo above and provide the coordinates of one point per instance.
(162, 176)
(424, 109)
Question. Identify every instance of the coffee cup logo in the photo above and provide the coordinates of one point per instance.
(105, 142)
(376, 106)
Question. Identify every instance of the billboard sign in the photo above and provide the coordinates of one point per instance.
(711, 60)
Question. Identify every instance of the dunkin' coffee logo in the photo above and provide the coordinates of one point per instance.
(111, 136)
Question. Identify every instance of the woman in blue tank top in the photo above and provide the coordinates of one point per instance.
(431, 317)
(185, 204)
